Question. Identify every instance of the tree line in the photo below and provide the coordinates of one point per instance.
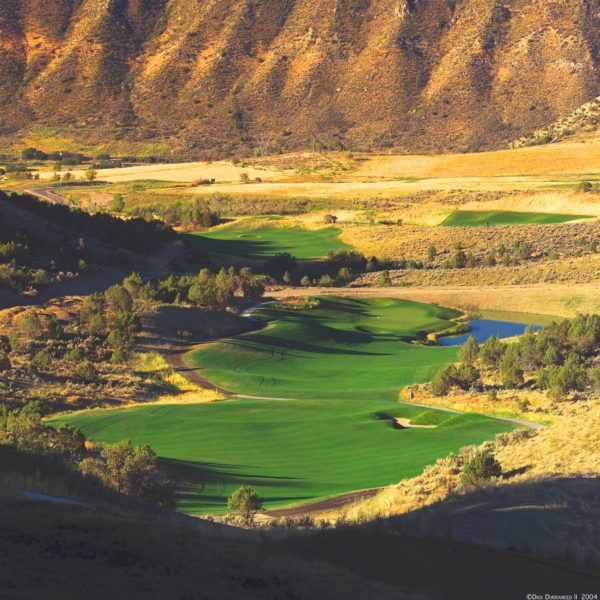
(560, 359)
(122, 467)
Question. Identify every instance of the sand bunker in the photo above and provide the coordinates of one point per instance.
(406, 424)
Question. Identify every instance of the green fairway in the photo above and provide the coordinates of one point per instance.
(263, 242)
(345, 346)
(291, 452)
(333, 369)
(474, 218)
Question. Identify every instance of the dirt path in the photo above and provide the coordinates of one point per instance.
(177, 362)
(47, 194)
(322, 506)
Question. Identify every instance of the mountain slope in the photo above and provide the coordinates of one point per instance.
(419, 75)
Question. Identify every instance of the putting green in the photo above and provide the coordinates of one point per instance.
(473, 218)
(263, 242)
(338, 365)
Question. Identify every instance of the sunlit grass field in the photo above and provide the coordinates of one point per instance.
(472, 218)
(262, 242)
(332, 368)
(291, 452)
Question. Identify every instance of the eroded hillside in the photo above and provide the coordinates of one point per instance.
(419, 75)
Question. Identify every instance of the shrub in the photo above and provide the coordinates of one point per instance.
(559, 381)
(585, 186)
(118, 356)
(344, 275)
(118, 204)
(31, 327)
(385, 279)
(465, 376)
(511, 366)
(5, 364)
(118, 299)
(253, 288)
(96, 325)
(134, 471)
(326, 281)
(492, 351)
(594, 378)
(42, 360)
(442, 382)
(86, 372)
(480, 468)
(350, 259)
(245, 502)
(279, 264)
(469, 351)
(133, 284)
(75, 355)
(55, 330)
(115, 339)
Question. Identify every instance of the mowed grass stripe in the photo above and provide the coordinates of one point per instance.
(473, 218)
(263, 242)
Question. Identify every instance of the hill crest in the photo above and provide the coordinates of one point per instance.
(418, 76)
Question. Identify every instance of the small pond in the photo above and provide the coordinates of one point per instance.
(483, 329)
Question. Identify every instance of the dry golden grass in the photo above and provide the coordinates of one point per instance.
(540, 408)
(386, 176)
(583, 270)
(551, 300)
(569, 158)
(348, 190)
(336, 176)
(570, 448)
(561, 202)
(222, 171)
(187, 391)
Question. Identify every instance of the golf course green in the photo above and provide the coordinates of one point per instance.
(332, 374)
(262, 242)
(473, 218)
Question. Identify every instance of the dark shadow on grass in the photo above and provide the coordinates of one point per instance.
(264, 343)
(203, 474)
(252, 249)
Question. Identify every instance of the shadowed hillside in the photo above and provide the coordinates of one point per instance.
(428, 75)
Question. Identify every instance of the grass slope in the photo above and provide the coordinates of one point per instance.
(260, 243)
(340, 363)
(473, 218)
(345, 346)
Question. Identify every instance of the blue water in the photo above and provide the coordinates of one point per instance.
(483, 329)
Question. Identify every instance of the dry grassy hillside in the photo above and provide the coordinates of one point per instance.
(428, 75)
(544, 503)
